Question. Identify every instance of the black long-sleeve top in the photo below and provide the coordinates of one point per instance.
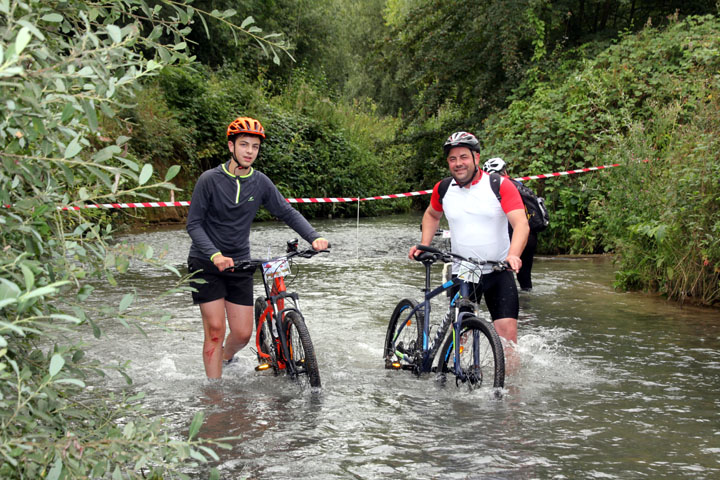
(223, 207)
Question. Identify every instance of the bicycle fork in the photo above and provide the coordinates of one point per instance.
(461, 376)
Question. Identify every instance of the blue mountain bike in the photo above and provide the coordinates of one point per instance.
(472, 352)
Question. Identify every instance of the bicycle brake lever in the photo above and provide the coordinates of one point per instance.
(500, 266)
(239, 266)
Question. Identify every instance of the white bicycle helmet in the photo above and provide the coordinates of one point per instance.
(494, 165)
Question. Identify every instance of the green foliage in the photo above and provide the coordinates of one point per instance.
(662, 214)
(204, 103)
(67, 69)
(469, 53)
(476, 53)
(572, 121)
(158, 136)
(315, 146)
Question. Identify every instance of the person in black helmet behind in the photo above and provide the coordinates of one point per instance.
(498, 165)
(224, 203)
(479, 227)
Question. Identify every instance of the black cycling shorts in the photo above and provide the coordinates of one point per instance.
(501, 295)
(234, 286)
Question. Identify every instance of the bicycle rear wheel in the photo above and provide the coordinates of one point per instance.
(402, 340)
(264, 336)
(481, 358)
(300, 347)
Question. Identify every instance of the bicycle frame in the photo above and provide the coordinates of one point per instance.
(421, 356)
(429, 349)
(275, 295)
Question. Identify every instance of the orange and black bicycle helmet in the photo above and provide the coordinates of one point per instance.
(245, 125)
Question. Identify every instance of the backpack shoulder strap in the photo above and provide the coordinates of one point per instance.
(495, 180)
(443, 188)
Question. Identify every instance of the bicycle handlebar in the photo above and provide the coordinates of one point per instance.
(254, 262)
(433, 254)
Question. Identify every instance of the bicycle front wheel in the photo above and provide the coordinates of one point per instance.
(300, 348)
(402, 340)
(480, 361)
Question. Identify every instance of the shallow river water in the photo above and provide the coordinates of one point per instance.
(609, 384)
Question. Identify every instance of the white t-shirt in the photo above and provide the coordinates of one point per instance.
(478, 222)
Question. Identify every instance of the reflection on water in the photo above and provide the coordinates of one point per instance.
(610, 384)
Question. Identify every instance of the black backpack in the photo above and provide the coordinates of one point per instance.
(537, 214)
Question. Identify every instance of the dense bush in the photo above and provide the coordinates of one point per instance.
(573, 121)
(662, 212)
(652, 96)
(315, 147)
(67, 68)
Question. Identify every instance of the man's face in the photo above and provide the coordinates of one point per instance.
(245, 149)
(461, 162)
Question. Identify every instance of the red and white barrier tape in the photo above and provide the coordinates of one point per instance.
(322, 200)
(127, 205)
(568, 172)
(326, 199)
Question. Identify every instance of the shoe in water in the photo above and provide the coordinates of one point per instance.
(228, 362)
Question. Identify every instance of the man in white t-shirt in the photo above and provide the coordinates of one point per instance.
(479, 227)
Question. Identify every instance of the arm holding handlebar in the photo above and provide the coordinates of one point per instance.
(292, 251)
(433, 253)
(430, 221)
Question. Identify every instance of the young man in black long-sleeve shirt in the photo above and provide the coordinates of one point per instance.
(224, 203)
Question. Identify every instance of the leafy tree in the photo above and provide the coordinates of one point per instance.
(581, 118)
(66, 69)
(474, 54)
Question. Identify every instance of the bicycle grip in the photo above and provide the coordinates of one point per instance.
(425, 248)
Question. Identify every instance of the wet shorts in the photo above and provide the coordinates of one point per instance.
(234, 286)
(501, 295)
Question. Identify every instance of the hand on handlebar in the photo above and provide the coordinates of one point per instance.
(320, 244)
(514, 263)
(413, 252)
(223, 263)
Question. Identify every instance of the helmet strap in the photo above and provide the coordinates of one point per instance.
(234, 159)
(472, 177)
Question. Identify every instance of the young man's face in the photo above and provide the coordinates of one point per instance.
(245, 149)
(461, 162)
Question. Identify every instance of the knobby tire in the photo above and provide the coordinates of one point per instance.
(301, 349)
(490, 369)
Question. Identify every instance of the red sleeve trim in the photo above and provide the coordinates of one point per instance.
(511, 199)
(435, 199)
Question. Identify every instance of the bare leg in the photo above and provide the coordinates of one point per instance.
(213, 316)
(240, 320)
(507, 329)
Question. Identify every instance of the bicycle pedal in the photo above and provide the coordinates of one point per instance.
(262, 366)
(396, 365)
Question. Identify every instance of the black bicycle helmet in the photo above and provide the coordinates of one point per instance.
(461, 139)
